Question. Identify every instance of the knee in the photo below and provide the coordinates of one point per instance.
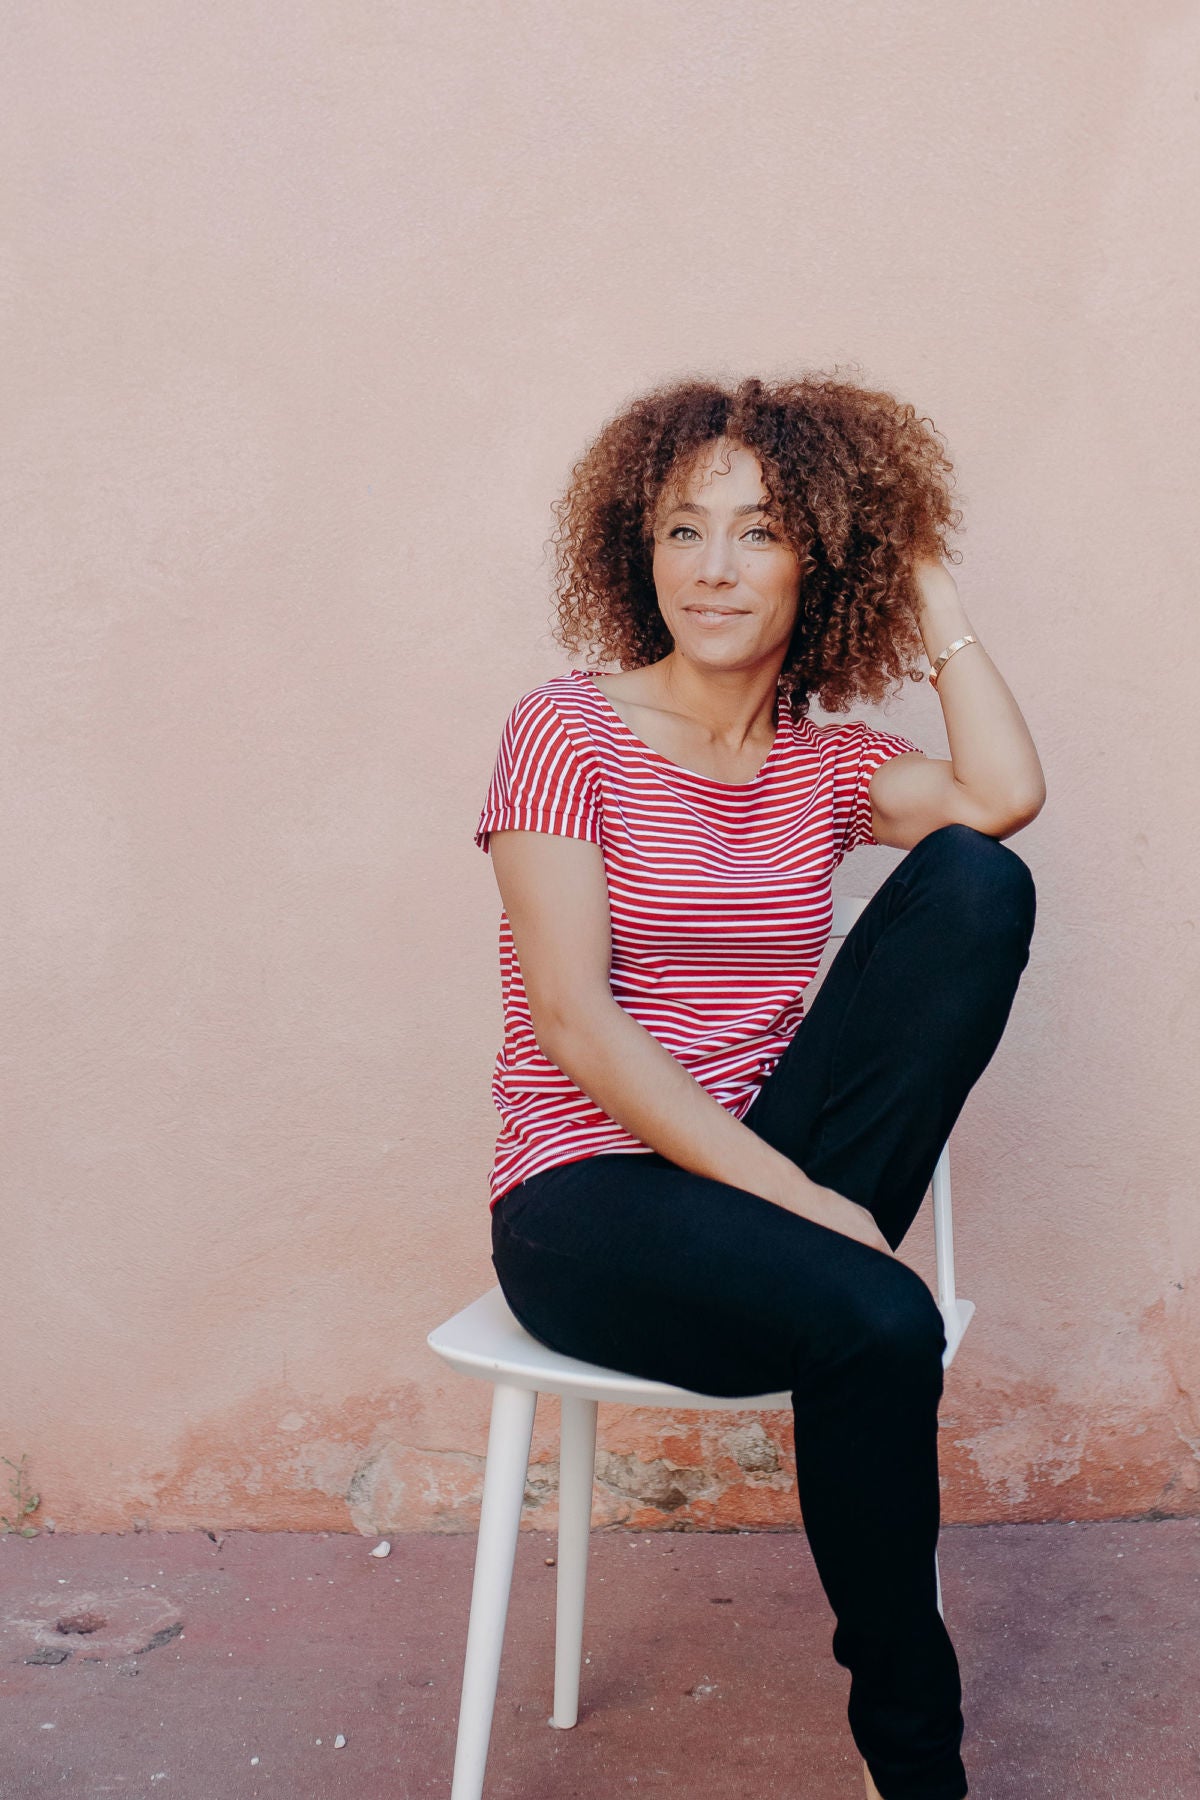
(989, 886)
(900, 1324)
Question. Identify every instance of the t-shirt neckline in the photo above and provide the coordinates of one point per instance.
(732, 787)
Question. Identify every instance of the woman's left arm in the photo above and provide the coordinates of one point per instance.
(993, 779)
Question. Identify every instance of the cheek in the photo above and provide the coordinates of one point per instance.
(664, 569)
(656, 572)
(786, 580)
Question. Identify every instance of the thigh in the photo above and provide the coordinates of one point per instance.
(908, 1016)
(637, 1264)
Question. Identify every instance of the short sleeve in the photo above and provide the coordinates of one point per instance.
(864, 751)
(541, 781)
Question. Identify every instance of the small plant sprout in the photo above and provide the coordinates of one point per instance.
(26, 1502)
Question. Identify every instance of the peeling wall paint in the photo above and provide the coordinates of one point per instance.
(282, 298)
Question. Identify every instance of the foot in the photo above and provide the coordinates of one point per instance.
(873, 1792)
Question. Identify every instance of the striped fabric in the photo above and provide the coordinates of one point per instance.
(719, 895)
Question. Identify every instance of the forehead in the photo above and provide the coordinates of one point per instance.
(718, 473)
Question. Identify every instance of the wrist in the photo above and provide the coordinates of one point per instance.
(808, 1198)
(940, 626)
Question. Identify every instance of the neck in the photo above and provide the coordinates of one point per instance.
(735, 705)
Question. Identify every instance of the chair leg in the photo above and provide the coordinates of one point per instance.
(576, 1469)
(937, 1576)
(505, 1472)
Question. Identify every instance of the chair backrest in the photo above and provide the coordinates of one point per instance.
(846, 910)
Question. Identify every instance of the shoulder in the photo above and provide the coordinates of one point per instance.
(544, 779)
(554, 714)
(835, 741)
(832, 733)
(557, 694)
(849, 740)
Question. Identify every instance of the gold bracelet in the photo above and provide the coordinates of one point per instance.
(947, 653)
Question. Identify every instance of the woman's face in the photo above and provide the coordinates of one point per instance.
(727, 583)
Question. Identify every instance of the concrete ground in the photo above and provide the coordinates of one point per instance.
(192, 1669)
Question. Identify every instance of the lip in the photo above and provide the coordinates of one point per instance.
(720, 612)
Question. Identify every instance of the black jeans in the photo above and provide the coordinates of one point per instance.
(638, 1264)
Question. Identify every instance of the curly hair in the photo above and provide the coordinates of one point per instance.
(859, 486)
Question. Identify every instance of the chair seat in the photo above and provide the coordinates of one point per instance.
(485, 1340)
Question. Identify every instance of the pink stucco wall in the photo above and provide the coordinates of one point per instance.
(312, 307)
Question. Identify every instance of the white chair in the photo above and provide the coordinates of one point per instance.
(485, 1340)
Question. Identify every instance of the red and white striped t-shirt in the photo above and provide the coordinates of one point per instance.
(719, 894)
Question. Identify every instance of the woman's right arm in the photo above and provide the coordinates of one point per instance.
(555, 893)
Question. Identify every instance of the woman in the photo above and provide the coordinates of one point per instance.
(689, 1183)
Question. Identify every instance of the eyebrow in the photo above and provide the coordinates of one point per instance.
(692, 506)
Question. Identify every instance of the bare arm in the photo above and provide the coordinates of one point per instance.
(993, 779)
(555, 893)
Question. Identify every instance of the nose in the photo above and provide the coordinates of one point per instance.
(716, 566)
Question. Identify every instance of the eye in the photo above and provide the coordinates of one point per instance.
(762, 532)
(678, 528)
